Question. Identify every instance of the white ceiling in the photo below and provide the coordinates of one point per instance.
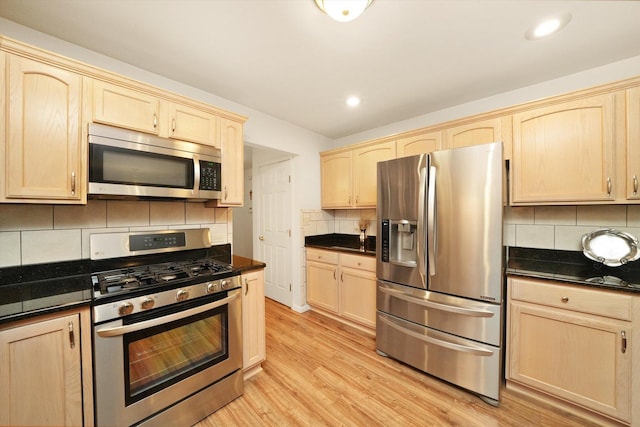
(404, 58)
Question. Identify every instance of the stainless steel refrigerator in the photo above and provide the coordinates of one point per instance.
(440, 265)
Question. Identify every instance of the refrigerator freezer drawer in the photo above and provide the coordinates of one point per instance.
(471, 319)
(468, 364)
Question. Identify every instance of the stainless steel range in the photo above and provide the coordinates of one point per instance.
(167, 328)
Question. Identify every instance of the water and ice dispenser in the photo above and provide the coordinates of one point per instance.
(399, 245)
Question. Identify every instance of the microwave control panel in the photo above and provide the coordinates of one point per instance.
(210, 176)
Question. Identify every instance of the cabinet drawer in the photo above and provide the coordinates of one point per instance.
(576, 298)
(322, 256)
(358, 261)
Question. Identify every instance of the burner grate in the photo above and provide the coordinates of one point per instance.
(133, 278)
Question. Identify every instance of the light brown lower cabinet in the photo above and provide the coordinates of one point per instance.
(342, 286)
(45, 371)
(254, 350)
(574, 347)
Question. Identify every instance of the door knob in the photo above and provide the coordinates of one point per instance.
(261, 237)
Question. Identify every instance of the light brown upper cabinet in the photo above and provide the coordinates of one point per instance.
(365, 171)
(480, 132)
(144, 112)
(348, 177)
(127, 108)
(45, 153)
(633, 143)
(232, 163)
(336, 179)
(419, 144)
(565, 153)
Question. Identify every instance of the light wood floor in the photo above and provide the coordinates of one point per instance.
(319, 372)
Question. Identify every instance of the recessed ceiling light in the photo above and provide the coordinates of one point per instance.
(547, 27)
(353, 101)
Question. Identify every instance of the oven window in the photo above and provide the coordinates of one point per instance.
(131, 167)
(160, 356)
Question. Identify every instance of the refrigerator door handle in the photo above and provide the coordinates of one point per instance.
(421, 253)
(431, 221)
(429, 340)
(437, 306)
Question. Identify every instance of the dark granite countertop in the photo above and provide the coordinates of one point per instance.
(572, 267)
(31, 290)
(243, 264)
(35, 289)
(347, 243)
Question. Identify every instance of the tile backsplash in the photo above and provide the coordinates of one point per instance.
(562, 227)
(34, 234)
(542, 227)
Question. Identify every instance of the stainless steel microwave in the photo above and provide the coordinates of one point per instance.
(138, 165)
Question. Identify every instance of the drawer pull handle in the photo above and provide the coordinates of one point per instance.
(564, 299)
(624, 341)
(72, 337)
(609, 187)
(334, 275)
(635, 185)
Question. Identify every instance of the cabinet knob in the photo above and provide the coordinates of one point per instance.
(564, 299)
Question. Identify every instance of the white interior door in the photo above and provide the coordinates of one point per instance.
(274, 229)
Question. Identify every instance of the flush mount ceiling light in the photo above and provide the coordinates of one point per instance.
(353, 101)
(343, 10)
(547, 27)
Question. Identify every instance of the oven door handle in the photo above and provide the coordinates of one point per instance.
(121, 330)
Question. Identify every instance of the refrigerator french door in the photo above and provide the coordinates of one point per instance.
(439, 266)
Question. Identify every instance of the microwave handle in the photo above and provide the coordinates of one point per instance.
(197, 173)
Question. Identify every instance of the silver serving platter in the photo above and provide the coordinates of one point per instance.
(611, 247)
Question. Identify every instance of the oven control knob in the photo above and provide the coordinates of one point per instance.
(225, 284)
(147, 303)
(182, 295)
(212, 287)
(125, 308)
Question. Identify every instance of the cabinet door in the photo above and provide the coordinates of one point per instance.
(44, 158)
(191, 124)
(633, 143)
(573, 356)
(358, 296)
(336, 180)
(322, 285)
(365, 170)
(253, 327)
(419, 144)
(482, 132)
(232, 148)
(40, 374)
(118, 106)
(565, 153)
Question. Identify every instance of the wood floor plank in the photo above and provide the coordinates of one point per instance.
(320, 372)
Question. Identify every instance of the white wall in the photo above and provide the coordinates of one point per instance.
(243, 219)
(596, 76)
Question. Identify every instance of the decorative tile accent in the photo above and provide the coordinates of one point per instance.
(570, 238)
(535, 236)
(197, 213)
(25, 217)
(555, 215)
(166, 213)
(51, 246)
(91, 215)
(601, 216)
(127, 213)
(10, 249)
(519, 215)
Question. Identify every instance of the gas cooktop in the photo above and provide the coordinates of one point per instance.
(147, 276)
